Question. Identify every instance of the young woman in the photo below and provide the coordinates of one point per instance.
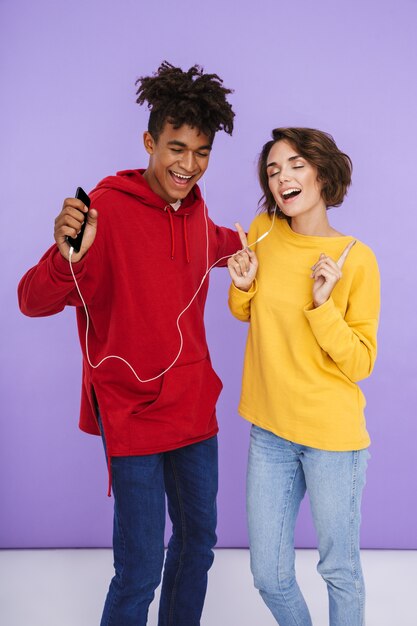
(312, 337)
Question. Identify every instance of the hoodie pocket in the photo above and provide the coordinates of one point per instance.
(184, 409)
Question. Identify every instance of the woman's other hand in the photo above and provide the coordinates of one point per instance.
(327, 273)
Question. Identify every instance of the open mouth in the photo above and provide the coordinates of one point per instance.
(288, 194)
(180, 179)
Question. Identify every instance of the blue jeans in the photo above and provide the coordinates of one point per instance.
(188, 476)
(279, 473)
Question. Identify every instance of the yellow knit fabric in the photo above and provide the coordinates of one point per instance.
(302, 364)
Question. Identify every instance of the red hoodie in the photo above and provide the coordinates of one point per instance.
(146, 263)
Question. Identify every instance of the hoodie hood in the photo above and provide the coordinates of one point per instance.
(133, 183)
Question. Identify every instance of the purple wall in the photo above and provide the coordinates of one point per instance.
(69, 118)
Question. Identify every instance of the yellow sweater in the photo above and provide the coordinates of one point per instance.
(302, 364)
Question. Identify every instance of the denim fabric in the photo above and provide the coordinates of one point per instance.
(279, 473)
(188, 477)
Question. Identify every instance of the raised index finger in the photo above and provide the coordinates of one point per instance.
(242, 235)
(341, 260)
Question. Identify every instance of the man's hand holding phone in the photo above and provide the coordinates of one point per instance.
(76, 226)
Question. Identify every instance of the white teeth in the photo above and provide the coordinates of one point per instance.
(182, 176)
(287, 192)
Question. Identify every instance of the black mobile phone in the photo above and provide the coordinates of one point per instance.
(75, 242)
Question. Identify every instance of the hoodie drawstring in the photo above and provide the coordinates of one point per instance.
(187, 250)
(169, 210)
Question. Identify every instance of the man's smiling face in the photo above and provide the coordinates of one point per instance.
(176, 161)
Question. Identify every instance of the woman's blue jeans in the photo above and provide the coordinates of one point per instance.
(279, 473)
(188, 477)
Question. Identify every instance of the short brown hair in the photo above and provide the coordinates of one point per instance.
(334, 167)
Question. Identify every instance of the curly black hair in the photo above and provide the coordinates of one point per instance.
(192, 98)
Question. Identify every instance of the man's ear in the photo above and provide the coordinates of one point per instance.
(149, 142)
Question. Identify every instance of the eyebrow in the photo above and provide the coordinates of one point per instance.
(175, 142)
(293, 158)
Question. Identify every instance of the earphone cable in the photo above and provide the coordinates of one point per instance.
(208, 270)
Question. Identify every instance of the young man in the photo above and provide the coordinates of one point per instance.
(146, 246)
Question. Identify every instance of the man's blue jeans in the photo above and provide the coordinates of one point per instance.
(279, 473)
(188, 476)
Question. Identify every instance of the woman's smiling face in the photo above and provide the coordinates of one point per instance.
(293, 181)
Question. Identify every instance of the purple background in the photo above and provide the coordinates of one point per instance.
(69, 118)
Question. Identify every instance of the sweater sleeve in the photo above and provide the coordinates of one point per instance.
(351, 340)
(240, 301)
